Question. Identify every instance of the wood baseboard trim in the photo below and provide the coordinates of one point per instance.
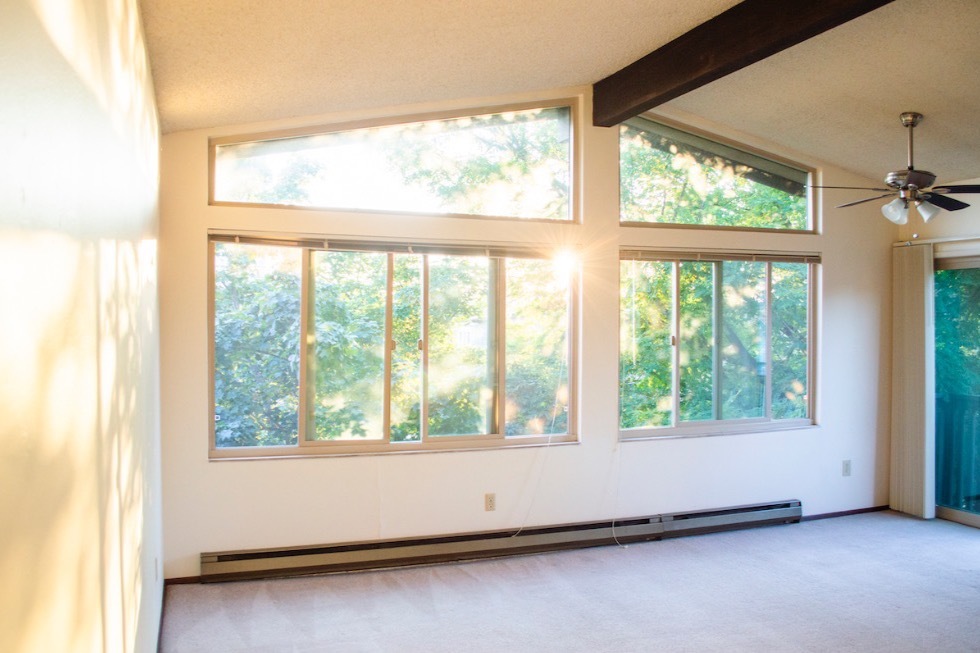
(185, 580)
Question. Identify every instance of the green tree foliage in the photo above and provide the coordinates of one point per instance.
(957, 342)
(256, 336)
(520, 156)
(646, 354)
(257, 341)
(513, 164)
(696, 341)
(666, 181)
(406, 359)
(461, 344)
(721, 341)
(957, 332)
(349, 319)
(538, 296)
(789, 340)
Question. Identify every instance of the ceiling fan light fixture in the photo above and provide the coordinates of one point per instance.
(926, 210)
(896, 211)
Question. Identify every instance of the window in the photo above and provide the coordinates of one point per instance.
(513, 164)
(668, 176)
(712, 343)
(957, 380)
(343, 346)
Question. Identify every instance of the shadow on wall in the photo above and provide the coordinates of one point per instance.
(78, 417)
(78, 333)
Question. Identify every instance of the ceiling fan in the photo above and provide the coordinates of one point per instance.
(913, 186)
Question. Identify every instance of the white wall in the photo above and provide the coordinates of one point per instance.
(80, 517)
(223, 505)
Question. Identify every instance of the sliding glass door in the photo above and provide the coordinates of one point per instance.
(957, 297)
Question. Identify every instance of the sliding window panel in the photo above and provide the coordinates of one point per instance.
(790, 340)
(958, 389)
(257, 316)
(742, 331)
(349, 308)
(461, 341)
(406, 356)
(645, 350)
(537, 320)
(696, 340)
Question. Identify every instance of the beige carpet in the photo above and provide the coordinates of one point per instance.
(872, 582)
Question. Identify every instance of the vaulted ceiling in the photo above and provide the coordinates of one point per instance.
(836, 97)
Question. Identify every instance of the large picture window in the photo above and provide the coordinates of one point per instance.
(669, 176)
(511, 164)
(341, 346)
(712, 342)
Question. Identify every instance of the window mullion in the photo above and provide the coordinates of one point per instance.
(307, 348)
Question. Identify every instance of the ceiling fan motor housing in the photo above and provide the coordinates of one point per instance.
(900, 179)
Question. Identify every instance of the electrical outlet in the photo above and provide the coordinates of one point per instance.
(489, 501)
(845, 468)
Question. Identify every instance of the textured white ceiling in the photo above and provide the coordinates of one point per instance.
(231, 61)
(836, 97)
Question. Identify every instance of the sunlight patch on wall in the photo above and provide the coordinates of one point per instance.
(115, 70)
(49, 565)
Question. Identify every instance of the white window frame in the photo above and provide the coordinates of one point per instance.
(310, 447)
(702, 428)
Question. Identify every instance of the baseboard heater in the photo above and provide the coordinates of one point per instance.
(377, 554)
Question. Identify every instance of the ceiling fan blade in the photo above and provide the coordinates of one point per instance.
(964, 188)
(944, 202)
(855, 188)
(869, 199)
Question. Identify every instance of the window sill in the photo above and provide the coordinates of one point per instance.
(712, 430)
(810, 231)
(334, 449)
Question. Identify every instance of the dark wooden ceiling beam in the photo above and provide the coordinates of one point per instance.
(748, 32)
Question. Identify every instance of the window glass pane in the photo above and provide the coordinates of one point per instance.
(645, 352)
(790, 340)
(460, 342)
(256, 344)
(537, 347)
(743, 335)
(696, 336)
(406, 359)
(349, 327)
(514, 164)
(670, 176)
(731, 315)
(957, 342)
